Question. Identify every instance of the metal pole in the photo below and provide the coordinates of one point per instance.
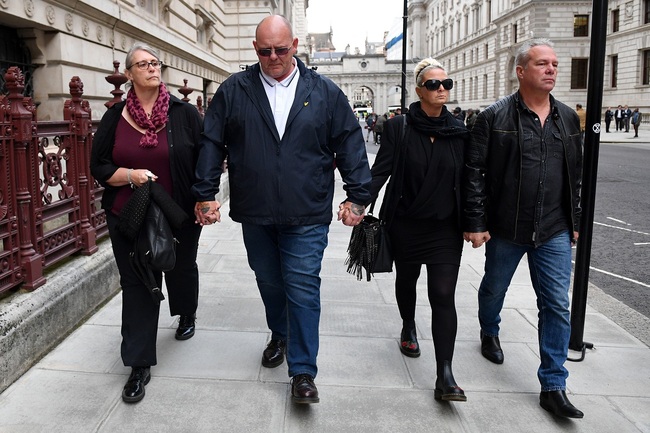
(590, 174)
(404, 24)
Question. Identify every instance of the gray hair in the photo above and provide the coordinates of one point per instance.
(139, 46)
(425, 65)
(523, 53)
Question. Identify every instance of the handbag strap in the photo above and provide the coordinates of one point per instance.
(395, 157)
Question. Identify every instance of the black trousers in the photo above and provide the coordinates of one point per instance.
(139, 310)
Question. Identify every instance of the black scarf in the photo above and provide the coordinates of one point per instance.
(445, 126)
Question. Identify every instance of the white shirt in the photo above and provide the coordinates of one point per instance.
(281, 95)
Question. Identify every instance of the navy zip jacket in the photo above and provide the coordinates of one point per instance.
(289, 180)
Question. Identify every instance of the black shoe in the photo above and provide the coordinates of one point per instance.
(303, 389)
(134, 388)
(446, 387)
(558, 404)
(273, 355)
(186, 327)
(491, 349)
(408, 343)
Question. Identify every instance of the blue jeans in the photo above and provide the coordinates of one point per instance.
(550, 273)
(287, 262)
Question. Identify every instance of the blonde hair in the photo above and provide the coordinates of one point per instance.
(424, 65)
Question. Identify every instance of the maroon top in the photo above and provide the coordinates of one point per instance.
(128, 153)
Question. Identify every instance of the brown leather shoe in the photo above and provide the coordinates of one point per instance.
(273, 355)
(303, 389)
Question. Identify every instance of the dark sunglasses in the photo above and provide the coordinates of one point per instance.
(432, 85)
(266, 52)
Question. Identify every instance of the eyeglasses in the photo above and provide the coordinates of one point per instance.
(266, 52)
(432, 85)
(144, 65)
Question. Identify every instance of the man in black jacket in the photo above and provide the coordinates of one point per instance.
(522, 196)
(284, 128)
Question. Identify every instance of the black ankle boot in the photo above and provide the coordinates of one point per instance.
(408, 344)
(446, 388)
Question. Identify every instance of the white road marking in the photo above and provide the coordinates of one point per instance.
(617, 276)
(618, 221)
(622, 228)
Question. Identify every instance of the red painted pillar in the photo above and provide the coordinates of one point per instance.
(24, 178)
(77, 112)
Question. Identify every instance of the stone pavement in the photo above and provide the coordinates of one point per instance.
(214, 382)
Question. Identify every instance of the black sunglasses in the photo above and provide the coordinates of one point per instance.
(432, 85)
(266, 52)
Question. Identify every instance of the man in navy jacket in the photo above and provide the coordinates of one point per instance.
(284, 129)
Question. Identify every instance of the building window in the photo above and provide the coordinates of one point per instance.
(579, 73)
(487, 46)
(646, 12)
(615, 20)
(614, 76)
(645, 79)
(514, 33)
(485, 86)
(580, 25)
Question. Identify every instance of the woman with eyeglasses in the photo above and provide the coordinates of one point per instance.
(422, 154)
(152, 135)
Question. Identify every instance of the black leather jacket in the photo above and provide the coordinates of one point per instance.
(492, 175)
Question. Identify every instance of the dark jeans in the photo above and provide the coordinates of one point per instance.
(550, 272)
(139, 311)
(287, 261)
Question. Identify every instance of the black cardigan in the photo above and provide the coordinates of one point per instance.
(391, 162)
(184, 128)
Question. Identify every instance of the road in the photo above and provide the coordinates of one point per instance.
(620, 252)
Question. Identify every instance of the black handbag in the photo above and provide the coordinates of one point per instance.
(154, 245)
(369, 249)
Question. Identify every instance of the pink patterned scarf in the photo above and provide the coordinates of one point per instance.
(158, 115)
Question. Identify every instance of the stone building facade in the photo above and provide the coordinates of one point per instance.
(201, 41)
(476, 41)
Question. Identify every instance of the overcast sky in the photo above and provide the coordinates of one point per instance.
(353, 20)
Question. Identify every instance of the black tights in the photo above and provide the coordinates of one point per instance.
(441, 285)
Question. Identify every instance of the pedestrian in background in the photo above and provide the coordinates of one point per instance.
(370, 125)
(422, 209)
(283, 127)
(519, 201)
(582, 115)
(609, 115)
(471, 118)
(636, 121)
(627, 114)
(379, 128)
(618, 116)
(153, 135)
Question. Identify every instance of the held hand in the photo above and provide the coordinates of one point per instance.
(477, 239)
(351, 214)
(207, 212)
